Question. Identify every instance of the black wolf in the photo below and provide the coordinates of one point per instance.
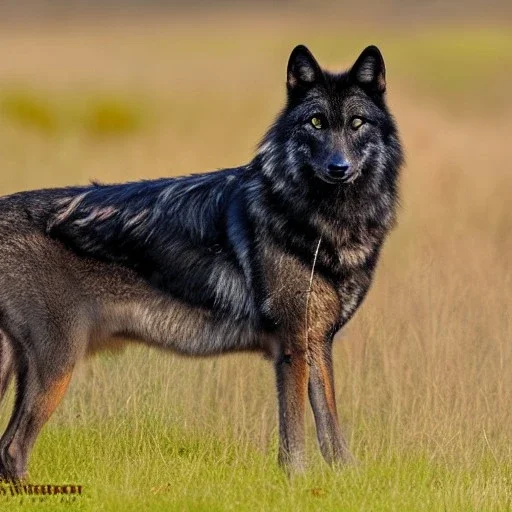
(274, 257)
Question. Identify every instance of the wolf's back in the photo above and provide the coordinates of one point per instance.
(31, 211)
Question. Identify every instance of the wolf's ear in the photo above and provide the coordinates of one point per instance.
(303, 70)
(369, 70)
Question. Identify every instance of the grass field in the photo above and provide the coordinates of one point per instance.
(424, 370)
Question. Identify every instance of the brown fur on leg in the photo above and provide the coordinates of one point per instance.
(37, 409)
(292, 381)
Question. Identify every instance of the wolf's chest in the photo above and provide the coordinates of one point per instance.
(351, 292)
(357, 247)
(352, 255)
(357, 257)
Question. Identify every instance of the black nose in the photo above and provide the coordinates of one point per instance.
(338, 167)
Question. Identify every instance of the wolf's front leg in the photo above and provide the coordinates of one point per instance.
(323, 402)
(292, 373)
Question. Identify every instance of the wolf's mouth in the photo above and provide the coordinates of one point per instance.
(352, 177)
(343, 179)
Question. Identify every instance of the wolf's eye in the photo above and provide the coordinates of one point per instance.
(356, 123)
(317, 122)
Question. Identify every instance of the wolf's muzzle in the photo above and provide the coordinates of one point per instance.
(338, 169)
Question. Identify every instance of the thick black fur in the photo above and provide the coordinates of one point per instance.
(204, 224)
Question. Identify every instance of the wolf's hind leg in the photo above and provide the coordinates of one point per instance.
(34, 406)
(23, 377)
(6, 364)
(36, 413)
(41, 383)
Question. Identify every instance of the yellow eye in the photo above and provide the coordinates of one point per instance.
(317, 122)
(356, 123)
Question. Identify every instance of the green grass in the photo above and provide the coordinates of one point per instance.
(124, 462)
(177, 434)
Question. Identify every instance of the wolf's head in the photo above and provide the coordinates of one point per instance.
(335, 128)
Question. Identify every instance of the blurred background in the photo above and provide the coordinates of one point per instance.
(124, 90)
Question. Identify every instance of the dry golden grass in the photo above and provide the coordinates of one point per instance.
(424, 371)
